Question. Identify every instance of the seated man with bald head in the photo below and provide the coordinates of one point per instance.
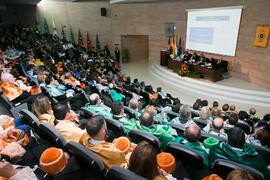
(95, 140)
(97, 106)
(191, 138)
(232, 110)
(216, 127)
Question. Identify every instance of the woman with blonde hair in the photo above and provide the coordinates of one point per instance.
(134, 104)
(42, 108)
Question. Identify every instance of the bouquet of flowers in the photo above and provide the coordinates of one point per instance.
(184, 70)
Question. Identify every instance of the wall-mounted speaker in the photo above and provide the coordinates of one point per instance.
(103, 11)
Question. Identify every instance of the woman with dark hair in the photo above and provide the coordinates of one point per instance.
(144, 163)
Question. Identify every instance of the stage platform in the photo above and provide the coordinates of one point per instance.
(232, 91)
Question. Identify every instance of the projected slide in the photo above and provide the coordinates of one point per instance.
(213, 30)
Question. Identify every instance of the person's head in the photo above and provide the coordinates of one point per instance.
(236, 137)
(30, 67)
(96, 127)
(61, 111)
(264, 135)
(252, 111)
(151, 109)
(41, 77)
(41, 105)
(232, 108)
(243, 115)
(7, 77)
(266, 117)
(159, 89)
(233, 119)
(185, 112)
(196, 106)
(225, 107)
(217, 124)
(147, 119)
(117, 108)
(133, 104)
(111, 86)
(49, 80)
(205, 113)
(216, 112)
(94, 99)
(192, 133)
(239, 175)
(204, 103)
(215, 104)
(176, 108)
(143, 161)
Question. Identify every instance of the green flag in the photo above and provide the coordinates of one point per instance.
(71, 38)
(46, 27)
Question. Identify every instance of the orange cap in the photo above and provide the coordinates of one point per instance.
(166, 161)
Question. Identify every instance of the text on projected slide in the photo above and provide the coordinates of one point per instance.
(201, 35)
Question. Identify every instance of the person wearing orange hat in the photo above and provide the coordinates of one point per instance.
(94, 140)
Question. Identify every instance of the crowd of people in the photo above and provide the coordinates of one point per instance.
(55, 78)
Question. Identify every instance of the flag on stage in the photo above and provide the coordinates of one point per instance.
(37, 24)
(175, 54)
(46, 27)
(173, 47)
(80, 39)
(97, 43)
(169, 42)
(71, 38)
(88, 42)
(54, 28)
(105, 43)
(179, 48)
(63, 32)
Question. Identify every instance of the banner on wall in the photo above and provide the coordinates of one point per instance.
(262, 34)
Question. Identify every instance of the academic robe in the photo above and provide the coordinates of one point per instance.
(194, 145)
(107, 152)
(70, 130)
(99, 109)
(128, 124)
(116, 96)
(11, 91)
(248, 156)
(47, 118)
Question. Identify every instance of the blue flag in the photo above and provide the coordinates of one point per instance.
(169, 41)
(179, 48)
(97, 43)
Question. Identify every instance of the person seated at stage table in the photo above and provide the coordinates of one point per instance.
(95, 140)
(237, 150)
(14, 90)
(96, 105)
(191, 139)
(64, 123)
(216, 127)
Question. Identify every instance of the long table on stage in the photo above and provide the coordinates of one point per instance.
(210, 74)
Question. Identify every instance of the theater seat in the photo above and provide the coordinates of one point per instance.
(179, 129)
(30, 119)
(130, 112)
(47, 93)
(86, 113)
(190, 163)
(223, 167)
(52, 135)
(90, 163)
(138, 135)
(118, 173)
(117, 128)
(200, 123)
(264, 152)
(107, 98)
(14, 109)
(207, 135)
(173, 115)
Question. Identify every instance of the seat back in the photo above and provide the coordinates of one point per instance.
(137, 136)
(30, 119)
(118, 173)
(262, 123)
(200, 123)
(246, 128)
(186, 155)
(91, 164)
(48, 94)
(223, 167)
(94, 89)
(207, 135)
(264, 152)
(87, 113)
(53, 136)
(130, 112)
(173, 115)
(117, 128)
(107, 98)
(179, 129)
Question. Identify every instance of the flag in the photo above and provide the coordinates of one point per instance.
(54, 28)
(71, 38)
(97, 43)
(169, 42)
(89, 46)
(63, 32)
(80, 39)
(105, 43)
(179, 48)
(46, 27)
(173, 47)
(37, 23)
